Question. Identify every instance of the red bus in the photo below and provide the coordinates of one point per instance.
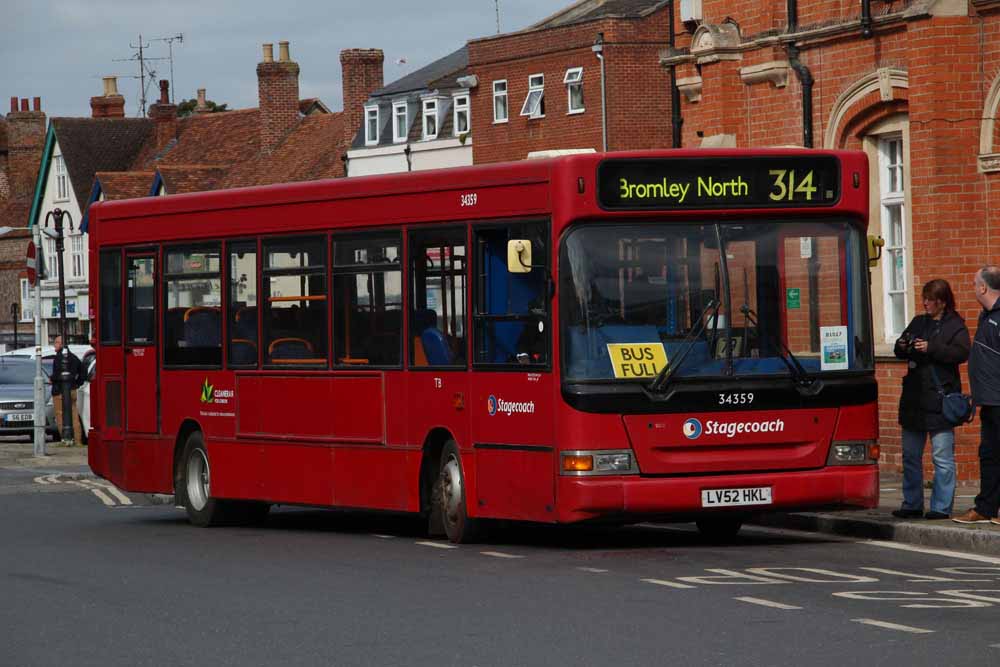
(678, 335)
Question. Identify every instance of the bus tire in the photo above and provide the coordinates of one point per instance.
(720, 529)
(202, 509)
(451, 499)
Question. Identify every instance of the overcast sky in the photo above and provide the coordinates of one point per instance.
(59, 49)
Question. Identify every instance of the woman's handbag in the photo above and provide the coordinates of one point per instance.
(956, 408)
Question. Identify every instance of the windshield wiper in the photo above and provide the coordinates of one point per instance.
(662, 378)
(806, 384)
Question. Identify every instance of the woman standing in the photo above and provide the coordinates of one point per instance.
(934, 344)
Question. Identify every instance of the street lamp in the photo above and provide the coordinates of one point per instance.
(13, 317)
(65, 380)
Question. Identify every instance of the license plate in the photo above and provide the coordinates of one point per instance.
(757, 495)
(20, 417)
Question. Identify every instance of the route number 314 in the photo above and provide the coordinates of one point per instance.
(790, 185)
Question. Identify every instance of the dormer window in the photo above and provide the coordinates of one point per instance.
(461, 121)
(400, 128)
(574, 90)
(430, 119)
(371, 126)
(534, 103)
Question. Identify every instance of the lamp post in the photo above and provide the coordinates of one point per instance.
(65, 381)
(13, 317)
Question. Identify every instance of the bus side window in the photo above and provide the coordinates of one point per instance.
(111, 297)
(511, 310)
(192, 322)
(243, 311)
(295, 304)
(368, 293)
(437, 310)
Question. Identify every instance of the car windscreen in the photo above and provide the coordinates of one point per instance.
(16, 373)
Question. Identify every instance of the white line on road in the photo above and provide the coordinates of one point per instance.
(929, 550)
(499, 554)
(110, 488)
(383, 537)
(918, 578)
(892, 626)
(103, 497)
(595, 570)
(767, 603)
(437, 545)
(42, 480)
(664, 582)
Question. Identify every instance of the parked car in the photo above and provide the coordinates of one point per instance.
(87, 357)
(48, 352)
(17, 397)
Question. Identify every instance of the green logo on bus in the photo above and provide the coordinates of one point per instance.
(206, 392)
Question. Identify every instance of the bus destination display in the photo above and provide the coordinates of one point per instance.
(734, 182)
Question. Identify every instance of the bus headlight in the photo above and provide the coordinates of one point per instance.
(598, 462)
(848, 453)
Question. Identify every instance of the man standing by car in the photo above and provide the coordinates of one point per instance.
(73, 365)
(984, 380)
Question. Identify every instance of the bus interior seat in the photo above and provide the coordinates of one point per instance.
(290, 348)
(243, 351)
(202, 327)
(173, 321)
(433, 341)
(245, 323)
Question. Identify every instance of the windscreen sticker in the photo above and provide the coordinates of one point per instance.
(833, 348)
(637, 360)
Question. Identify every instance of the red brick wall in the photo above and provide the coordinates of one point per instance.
(362, 72)
(278, 90)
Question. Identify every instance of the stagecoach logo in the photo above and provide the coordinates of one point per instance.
(692, 428)
(209, 394)
(495, 405)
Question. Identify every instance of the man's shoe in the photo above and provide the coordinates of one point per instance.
(936, 516)
(972, 516)
(908, 514)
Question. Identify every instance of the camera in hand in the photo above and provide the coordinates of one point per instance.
(907, 342)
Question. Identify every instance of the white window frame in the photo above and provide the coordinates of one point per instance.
(27, 302)
(573, 79)
(460, 106)
(62, 179)
(430, 110)
(896, 250)
(534, 103)
(76, 257)
(51, 259)
(371, 138)
(400, 110)
(498, 95)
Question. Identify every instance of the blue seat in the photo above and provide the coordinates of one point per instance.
(290, 348)
(434, 342)
(202, 327)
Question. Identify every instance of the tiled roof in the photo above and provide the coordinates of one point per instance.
(312, 151)
(90, 145)
(590, 10)
(218, 139)
(183, 178)
(423, 78)
(312, 105)
(125, 184)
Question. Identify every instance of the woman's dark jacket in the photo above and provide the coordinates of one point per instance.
(947, 347)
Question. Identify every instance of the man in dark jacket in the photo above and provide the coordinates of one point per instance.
(73, 364)
(984, 379)
(933, 344)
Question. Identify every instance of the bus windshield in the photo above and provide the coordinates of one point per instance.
(637, 297)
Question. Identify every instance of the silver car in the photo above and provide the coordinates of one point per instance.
(17, 404)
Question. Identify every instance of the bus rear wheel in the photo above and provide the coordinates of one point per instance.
(720, 529)
(451, 498)
(196, 486)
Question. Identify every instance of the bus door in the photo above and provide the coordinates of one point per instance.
(511, 407)
(438, 384)
(141, 363)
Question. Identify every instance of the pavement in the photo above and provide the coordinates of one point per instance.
(876, 524)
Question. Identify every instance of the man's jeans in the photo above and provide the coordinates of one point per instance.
(988, 500)
(943, 455)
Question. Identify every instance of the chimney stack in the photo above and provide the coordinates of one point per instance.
(361, 71)
(25, 141)
(278, 90)
(202, 106)
(164, 115)
(111, 104)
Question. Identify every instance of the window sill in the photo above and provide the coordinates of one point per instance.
(575, 112)
(501, 122)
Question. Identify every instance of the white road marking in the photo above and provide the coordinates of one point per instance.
(929, 550)
(663, 582)
(110, 488)
(499, 554)
(917, 578)
(767, 603)
(383, 537)
(595, 570)
(44, 479)
(888, 490)
(103, 497)
(437, 545)
(892, 626)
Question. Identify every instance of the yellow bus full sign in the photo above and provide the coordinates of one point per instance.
(637, 360)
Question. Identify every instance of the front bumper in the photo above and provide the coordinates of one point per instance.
(679, 498)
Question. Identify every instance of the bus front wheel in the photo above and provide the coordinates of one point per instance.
(451, 498)
(196, 485)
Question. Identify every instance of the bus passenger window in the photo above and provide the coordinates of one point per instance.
(368, 292)
(141, 311)
(111, 297)
(242, 318)
(437, 310)
(192, 322)
(511, 310)
(295, 314)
